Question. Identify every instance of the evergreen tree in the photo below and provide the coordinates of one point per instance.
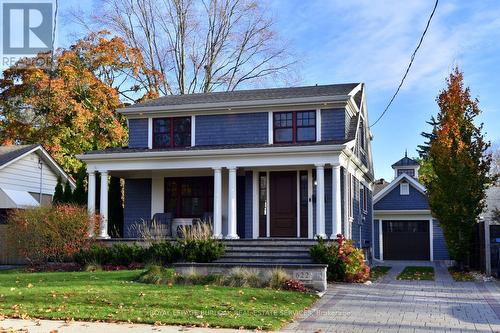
(58, 193)
(456, 151)
(115, 207)
(80, 195)
(68, 193)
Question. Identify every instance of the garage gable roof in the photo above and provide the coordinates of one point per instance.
(386, 190)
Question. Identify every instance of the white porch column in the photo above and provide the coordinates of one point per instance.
(103, 230)
(336, 202)
(231, 204)
(320, 201)
(217, 222)
(91, 201)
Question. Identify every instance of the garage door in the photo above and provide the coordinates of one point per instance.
(406, 240)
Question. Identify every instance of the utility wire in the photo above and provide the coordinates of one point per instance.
(409, 65)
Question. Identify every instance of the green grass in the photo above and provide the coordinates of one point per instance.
(378, 272)
(417, 273)
(113, 296)
(460, 276)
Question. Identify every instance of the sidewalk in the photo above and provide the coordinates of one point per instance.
(53, 326)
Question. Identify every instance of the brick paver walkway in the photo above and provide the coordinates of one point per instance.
(405, 306)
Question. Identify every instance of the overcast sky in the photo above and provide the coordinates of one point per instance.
(371, 41)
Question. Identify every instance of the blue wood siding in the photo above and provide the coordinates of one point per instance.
(137, 204)
(248, 204)
(376, 240)
(240, 206)
(228, 129)
(394, 201)
(328, 202)
(138, 133)
(333, 124)
(439, 243)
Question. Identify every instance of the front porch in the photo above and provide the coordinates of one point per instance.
(249, 202)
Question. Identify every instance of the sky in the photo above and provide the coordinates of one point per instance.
(368, 41)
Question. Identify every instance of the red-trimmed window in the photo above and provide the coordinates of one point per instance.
(171, 132)
(293, 127)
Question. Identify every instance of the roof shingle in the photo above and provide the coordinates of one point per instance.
(9, 153)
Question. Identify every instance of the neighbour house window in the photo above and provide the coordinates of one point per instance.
(404, 188)
(171, 132)
(292, 127)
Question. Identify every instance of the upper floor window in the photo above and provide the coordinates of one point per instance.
(296, 126)
(363, 197)
(171, 132)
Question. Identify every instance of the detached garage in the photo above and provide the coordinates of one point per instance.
(404, 228)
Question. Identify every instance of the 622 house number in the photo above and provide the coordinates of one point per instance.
(303, 275)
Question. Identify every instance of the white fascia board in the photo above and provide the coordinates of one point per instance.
(394, 183)
(212, 152)
(142, 162)
(405, 215)
(236, 105)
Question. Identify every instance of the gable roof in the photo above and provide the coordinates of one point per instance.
(11, 153)
(250, 95)
(421, 188)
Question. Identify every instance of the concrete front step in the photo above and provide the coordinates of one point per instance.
(257, 260)
(248, 248)
(270, 243)
(267, 253)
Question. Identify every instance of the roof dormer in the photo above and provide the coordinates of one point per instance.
(407, 166)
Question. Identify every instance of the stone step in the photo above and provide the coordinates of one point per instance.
(270, 242)
(276, 254)
(263, 259)
(249, 248)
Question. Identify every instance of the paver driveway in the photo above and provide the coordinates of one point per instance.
(405, 306)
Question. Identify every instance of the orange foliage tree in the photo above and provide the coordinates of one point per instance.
(67, 102)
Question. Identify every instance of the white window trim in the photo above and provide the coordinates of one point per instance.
(193, 131)
(404, 189)
(150, 133)
(318, 125)
(270, 128)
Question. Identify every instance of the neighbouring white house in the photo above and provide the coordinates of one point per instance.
(28, 177)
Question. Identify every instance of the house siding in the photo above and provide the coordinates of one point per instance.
(138, 133)
(376, 239)
(24, 175)
(394, 201)
(137, 204)
(240, 206)
(333, 124)
(248, 204)
(227, 129)
(439, 243)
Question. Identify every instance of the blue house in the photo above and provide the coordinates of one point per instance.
(403, 226)
(265, 163)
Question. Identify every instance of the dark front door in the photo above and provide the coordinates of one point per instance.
(406, 240)
(283, 197)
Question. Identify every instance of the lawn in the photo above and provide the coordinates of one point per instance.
(113, 296)
(378, 272)
(417, 273)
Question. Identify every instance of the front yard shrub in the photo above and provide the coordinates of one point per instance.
(295, 285)
(198, 245)
(163, 253)
(46, 234)
(238, 277)
(346, 263)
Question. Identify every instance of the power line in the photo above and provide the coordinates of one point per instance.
(409, 65)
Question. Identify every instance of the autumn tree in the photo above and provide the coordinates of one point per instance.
(456, 151)
(197, 46)
(68, 102)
